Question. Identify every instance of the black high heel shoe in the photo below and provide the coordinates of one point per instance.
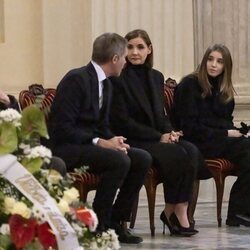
(179, 229)
(165, 222)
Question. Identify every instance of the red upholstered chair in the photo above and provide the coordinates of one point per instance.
(220, 169)
(37, 94)
(44, 97)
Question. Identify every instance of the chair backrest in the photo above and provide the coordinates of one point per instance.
(169, 88)
(37, 94)
(168, 99)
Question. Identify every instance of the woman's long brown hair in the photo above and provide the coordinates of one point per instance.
(225, 79)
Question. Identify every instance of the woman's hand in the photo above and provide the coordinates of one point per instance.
(171, 137)
(165, 138)
(116, 143)
(234, 133)
(175, 136)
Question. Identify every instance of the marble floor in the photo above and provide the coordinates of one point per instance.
(210, 237)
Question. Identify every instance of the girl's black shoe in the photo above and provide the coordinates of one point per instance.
(179, 229)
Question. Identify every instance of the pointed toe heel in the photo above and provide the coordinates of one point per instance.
(165, 222)
(179, 229)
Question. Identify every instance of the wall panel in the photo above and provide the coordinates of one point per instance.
(1, 21)
(224, 21)
(168, 22)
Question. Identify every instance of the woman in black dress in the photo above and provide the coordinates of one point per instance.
(204, 103)
(137, 113)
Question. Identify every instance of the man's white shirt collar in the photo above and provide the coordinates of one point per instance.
(99, 71)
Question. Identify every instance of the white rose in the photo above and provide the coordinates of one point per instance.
(5, 229)
(54, 177)
(21, 209)
(63, 206)
(71, 195)
(9, 203)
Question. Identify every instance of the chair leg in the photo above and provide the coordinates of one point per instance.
(219, 182)
(134, 212)
(193, 201)
(151, 193)
(83, 190)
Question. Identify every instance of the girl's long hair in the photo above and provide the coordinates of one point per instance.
(225, 78)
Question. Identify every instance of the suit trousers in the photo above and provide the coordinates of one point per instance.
(178, 164)
(118, 171)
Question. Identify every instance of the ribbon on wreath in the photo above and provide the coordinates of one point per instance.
(26, 183)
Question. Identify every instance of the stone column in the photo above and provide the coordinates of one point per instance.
(1, 21)
(228, 22)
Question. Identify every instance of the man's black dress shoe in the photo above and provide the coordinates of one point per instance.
(237, 220)
(124, 235)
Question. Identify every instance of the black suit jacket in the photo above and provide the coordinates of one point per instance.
(75, 116)
(134, 113)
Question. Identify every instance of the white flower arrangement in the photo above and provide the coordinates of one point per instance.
(22, 223)
(11, 116)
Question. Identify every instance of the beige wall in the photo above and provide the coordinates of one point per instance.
(44, 38)
(67, 37)
(1, 22)
(168, 22)
(21, 52)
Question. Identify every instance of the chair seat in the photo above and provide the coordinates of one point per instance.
(222, 165)
(92, 180)
(85, 182)
(153, 172)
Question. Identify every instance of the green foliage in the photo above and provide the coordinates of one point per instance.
(5, 242)
(8, 138)
(32, 164)
(33, 123)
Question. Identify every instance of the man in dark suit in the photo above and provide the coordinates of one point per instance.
(80, 134)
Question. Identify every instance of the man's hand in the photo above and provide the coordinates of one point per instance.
(234, 133)
(116, 143)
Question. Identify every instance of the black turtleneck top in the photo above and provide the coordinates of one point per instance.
(204, 121)
(141, 71)
(137, 110)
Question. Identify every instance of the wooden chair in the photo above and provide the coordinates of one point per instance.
(220, 169)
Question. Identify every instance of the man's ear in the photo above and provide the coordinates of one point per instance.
(115, 59)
